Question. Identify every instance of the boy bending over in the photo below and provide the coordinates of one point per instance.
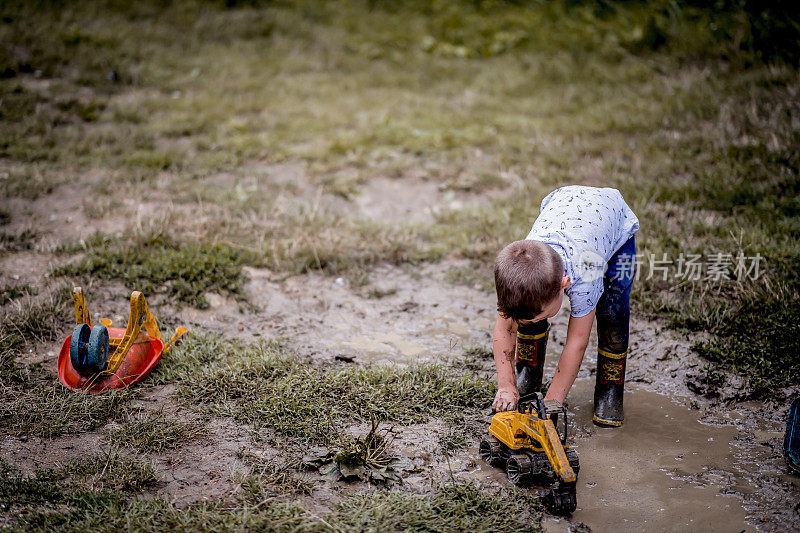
(582, 245)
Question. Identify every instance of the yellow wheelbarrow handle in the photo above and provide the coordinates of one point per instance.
(139, 315)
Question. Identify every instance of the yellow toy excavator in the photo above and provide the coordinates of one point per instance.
(529, 446)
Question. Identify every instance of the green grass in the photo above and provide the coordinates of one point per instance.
(39, 405)
(72, 481)
(13, 292)
(269, 478)
(18, 241)
(262, 386)
(155, 263)
(43, 502)
(761, 342)
(111, 471)
(457, 507)
(154, 431)
(35, 319)
(688, 110)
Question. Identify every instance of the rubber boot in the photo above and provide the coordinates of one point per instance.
(530, 352)
(791, 441)
(609, 388)
(613, 325)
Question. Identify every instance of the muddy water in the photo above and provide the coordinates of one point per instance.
(669, 468)
(644, 475)
(637, 477)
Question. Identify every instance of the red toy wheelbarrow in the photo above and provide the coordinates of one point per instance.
(99, 357)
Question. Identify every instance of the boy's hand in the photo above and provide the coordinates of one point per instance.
(505, 400)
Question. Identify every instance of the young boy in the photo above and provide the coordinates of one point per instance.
(582, 245)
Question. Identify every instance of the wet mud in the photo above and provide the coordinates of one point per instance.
(679, 463)
(642, 475)
(326, 318)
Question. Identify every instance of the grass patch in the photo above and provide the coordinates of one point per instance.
(154, 431)
(456, 507)
(44, 407)
(13, 292)
(378, 292)
(16, 489)
(35, 319)
(194, 353)
(269, 478)
(260, 385)
(18, 241)
(44, 502)
(111, 471)
(11, 374)
(30, 182)
(761, 340)
(73, 483)
(311, 239)
(478, 275)
(154, 263)
(460, 430)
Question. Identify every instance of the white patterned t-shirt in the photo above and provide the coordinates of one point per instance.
(586, 226)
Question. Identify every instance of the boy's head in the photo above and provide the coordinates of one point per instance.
(529, 278)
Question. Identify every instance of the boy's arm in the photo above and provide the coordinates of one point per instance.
(503, 345)
(578, 332)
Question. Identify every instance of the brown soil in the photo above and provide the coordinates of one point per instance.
(680, 462)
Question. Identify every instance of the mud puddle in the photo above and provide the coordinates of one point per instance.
(679, 463)
(642, 476)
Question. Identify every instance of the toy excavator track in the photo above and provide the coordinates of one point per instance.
(527, 445)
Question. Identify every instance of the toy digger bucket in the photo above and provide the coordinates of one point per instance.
(100, 357)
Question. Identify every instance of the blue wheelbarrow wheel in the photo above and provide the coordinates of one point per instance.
(98, 349)
(791, 442)
(88, 350)
(79, 347)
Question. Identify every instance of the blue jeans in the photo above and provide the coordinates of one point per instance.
(614, 308)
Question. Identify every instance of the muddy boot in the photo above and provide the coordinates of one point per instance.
(608, 389)
(791, 441)
(613, 324)
(530, 351)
